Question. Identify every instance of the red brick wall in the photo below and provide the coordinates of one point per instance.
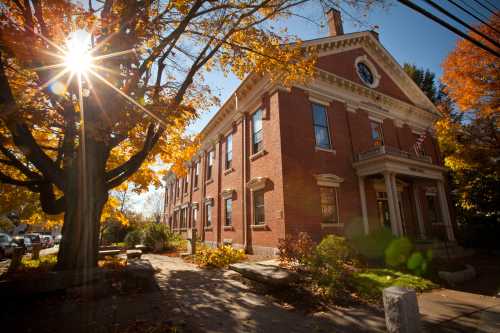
(301, 161)
(268, 165)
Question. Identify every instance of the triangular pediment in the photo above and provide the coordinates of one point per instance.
(342, 51)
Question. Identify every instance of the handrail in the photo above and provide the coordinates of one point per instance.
(388, 150)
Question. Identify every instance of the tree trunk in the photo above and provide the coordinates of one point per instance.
(85, 198)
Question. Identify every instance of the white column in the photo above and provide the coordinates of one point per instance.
(399, 219)
(362, 194)
(418, 209)
(391, 200)
(445, 212)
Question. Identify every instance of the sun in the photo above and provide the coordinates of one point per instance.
(77, 57)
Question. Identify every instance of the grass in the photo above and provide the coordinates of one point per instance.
(369, 283)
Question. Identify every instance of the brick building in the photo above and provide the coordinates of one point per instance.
(337, 155)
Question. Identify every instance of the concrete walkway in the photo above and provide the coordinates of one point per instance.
(445, 310)
(217, 301)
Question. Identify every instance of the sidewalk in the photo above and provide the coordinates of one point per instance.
(445, 310)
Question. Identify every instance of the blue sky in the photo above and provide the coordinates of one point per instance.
(407, 35)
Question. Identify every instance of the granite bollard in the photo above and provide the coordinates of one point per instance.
(401, 310)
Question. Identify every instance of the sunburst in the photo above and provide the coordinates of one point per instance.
(77, 61)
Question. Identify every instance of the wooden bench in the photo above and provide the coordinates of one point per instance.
(110, 253)
(134, 254)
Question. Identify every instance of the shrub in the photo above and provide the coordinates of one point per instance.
(219, 257)
(157, 236)
(328, 263)
(398, 252)
(134, 238)
(372, 246)
(42, 265)
(295, 249)
(112, 263)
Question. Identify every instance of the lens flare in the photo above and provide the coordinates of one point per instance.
(77, 58)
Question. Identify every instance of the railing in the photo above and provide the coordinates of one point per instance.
(388, 150)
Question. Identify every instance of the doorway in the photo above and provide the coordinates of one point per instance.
(384, 216)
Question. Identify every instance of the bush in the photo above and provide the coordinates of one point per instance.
(159, 237)
(219, 257)
(114, 263)
(134, 238)
(295, 249)
(329, 264)
(372, 246)
(42, 265)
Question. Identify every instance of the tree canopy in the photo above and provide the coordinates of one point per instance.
(92, 95)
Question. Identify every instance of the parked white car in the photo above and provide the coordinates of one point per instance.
(6, 246)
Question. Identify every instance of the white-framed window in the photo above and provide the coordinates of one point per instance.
(258, 208)
(208, 215)
(329, 204)
(196, 174)
(376, 133)
(177, 187)
(229, 151)
(183, 219)
(228, 212)
(210, 164)
(176, 219)
(186, 182)
(257, 136)
(321, 128)
(194, 217)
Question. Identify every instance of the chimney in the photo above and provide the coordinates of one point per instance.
(335, 26)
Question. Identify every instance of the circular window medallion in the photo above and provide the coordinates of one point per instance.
(367, 71)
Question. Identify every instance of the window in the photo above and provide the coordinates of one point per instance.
(433, 211)
(377, 136)
(228, 210)
(328, 201)
(321, 130)
(177, 187)
(229, 151)
(166, 196)
(186, 183)
(183, 218)
(257, 132)
(208, 216)
(176, 217)
(194, 217)
(196, 174)
(365, 73)
(258, 208)
(210, 164)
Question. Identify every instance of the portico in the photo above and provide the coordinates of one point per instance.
(400, 180)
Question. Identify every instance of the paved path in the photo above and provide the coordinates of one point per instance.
(217, 301)
(445, 310)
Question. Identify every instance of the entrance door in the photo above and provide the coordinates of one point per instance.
(384, 216)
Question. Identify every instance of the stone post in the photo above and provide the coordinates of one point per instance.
(15, 262)
(401, 310)
(191, 241)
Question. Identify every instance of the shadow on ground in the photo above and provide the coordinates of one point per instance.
(189, 299)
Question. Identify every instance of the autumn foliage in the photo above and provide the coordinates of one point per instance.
(69, 135)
